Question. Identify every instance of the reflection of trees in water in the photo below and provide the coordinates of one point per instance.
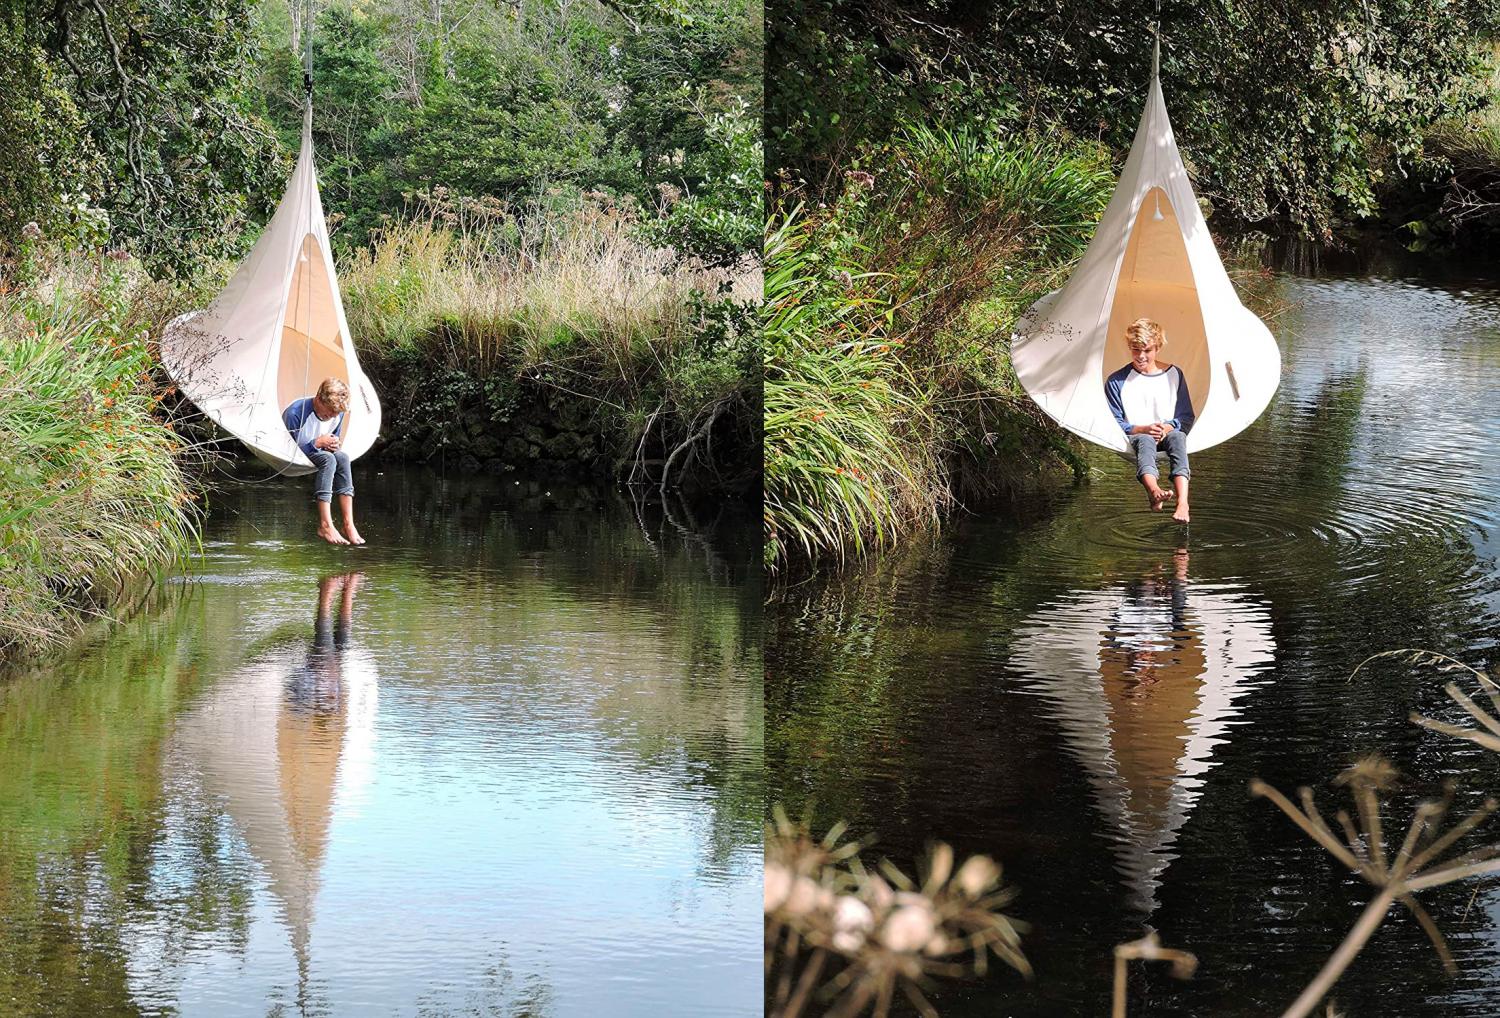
(84, 820)
(81, 757)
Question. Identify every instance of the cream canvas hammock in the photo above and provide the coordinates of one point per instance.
(1151, 257)
(276, 331)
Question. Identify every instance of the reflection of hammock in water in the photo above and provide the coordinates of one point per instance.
(275, 744)
(1151, 257)
(276, 331)
(1143, 688)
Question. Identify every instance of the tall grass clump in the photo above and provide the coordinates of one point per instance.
(660, 348)
(92, 486)
(850, 440)
(889, 307)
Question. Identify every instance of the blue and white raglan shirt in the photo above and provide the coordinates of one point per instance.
(306, 427)
(1160, 398)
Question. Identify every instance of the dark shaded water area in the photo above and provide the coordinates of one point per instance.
(506, 760)
(1086, 693)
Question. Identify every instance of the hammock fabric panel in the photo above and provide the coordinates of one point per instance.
(1151, 257)
(276, 331)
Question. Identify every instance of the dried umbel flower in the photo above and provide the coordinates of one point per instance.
(670, 194)
(1398, 872)
(911, 926)
(31, 231)
(852, 922)
(882, 932)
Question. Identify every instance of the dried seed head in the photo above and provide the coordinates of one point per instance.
(976, 876)
(1373, 771)
(778, 886)
(910, 927)
(852, 923)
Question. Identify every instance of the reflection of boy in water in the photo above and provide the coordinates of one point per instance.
(1147, 629)
(318, 685)
(1150, 402)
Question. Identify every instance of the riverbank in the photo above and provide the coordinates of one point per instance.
(94, 483)
(502, 342)
(889, 391)
(516, 341)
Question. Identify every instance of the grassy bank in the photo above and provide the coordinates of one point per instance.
(92, 485)
(476, 319)
(889, 391)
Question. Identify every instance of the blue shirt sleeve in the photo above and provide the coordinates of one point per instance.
(294, 417)
(1183, 422)
(1112, 386)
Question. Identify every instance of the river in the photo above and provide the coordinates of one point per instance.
(507, 759)
(1085, 690)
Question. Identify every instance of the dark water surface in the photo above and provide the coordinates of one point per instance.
(1086, 695)
(514, 767)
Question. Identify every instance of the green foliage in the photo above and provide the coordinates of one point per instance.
(168, 125)
(454, 307)
(1286, 113)
(637, 102)
(1451, 199)
(888, 382)
(724, 218)
(160, 132)
(48, 172)
(91, 487)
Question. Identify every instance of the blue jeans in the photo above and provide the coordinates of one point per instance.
(1174, 445)
(333, 474)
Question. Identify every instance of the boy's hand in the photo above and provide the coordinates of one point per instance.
(328, 442)
(1159, 431)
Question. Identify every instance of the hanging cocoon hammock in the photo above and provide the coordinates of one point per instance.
(1151, 257)
(275, 333)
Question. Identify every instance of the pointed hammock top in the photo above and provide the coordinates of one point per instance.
(276, 331)
(1151, 257)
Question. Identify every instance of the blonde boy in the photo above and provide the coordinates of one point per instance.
(316, 424)
(1151, 403)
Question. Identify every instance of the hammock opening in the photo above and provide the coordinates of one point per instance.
(312, 346)
(1156, 282)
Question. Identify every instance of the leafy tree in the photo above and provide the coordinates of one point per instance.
(1286, 112)
(165, 102)
(49, 173)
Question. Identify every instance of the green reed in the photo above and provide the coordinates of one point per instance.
(888, 384)
(92, 488)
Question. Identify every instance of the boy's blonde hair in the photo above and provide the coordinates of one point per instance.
(1144, 331)
(334, 393)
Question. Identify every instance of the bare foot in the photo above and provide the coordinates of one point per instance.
(1181, 515)
(354, 537)
(332, 536)
(1156, 497)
